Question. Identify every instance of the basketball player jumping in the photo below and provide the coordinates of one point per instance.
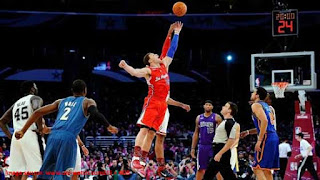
(155, 105)
(73, 112)
(25, 155)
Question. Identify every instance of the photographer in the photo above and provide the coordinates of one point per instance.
(102, 172)
(125, 171)
(172, 168)
(186, 170)
(151, 170)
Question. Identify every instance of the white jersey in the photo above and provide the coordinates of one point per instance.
(21, 112)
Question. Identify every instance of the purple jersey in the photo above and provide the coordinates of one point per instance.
(207, 126)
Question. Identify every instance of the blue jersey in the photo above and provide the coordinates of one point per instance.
(71, 115)
(270, 118)
(207, 126)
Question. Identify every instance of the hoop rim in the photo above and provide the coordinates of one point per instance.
(280, 84)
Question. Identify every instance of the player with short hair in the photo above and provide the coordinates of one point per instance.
(266, 148)
(155, 105)
(73, 112)
(205, 126)
(25, 155)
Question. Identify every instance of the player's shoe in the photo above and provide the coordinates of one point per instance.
(135, 163)
(163, 172)
(141, 172)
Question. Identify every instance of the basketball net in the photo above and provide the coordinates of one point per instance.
(279, 88)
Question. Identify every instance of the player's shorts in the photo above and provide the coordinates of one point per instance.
(205, 153)
(25, 154)
(268, 157)
(78, 159)
(164, 126)
(60, 156)
(153, 114)
(234, 159)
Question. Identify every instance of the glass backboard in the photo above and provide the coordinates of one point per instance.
(296, 68)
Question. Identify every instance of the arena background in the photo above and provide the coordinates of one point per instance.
(77, 36)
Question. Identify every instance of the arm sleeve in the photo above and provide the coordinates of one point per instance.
(173, 46)
(96, 115)
(231, 129)
(165, 47)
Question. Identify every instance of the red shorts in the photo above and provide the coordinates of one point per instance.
(153, 114)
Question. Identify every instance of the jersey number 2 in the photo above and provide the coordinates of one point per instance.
(65, 115)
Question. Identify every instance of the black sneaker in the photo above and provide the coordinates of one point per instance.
(165, 173)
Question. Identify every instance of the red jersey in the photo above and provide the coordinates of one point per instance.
(159, 84)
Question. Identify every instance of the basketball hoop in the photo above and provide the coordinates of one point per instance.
(279, 88)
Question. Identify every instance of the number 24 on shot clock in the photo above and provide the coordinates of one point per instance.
(285, 22)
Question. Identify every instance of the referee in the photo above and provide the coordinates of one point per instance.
(222, 142)
(306, 154)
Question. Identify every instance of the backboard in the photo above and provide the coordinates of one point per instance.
(296, 68)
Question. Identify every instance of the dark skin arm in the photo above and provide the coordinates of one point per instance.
(6, 119)
(36, 115)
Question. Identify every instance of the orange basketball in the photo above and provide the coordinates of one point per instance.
(179, 9)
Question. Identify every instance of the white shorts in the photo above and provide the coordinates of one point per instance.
(78, 160)
(164, 126)
(25, 153)
(234, 159)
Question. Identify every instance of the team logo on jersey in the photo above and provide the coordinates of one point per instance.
(163, 76)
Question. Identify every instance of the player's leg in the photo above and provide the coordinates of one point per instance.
(268, 174)
(145, 122)
(17, 160)
(32, 151)
(77, 168)
(66, 157)
(159, 149)
(259, 174)
(49, 160)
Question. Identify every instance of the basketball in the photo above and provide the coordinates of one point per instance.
(179, 9)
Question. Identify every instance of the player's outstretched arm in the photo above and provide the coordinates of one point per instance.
(144, 72)
(195, 137)
(167, 41)
(178, 104)
(174, 44)
(4, 120)
(36, 115)
(92, 110)
(245, 133)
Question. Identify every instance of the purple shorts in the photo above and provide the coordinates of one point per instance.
(205, 153)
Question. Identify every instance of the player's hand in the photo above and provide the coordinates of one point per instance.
(192, 153)
(122, 64)
(243, 134)
(172, 26)
(257, 147)
(186, 107)
(85, 150)
(178, 27)
(18, 134)
(112, 129)
(46, 130)
(217, 157)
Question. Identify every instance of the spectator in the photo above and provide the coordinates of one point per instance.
(186, 171)
(151, 170)
(125, 172)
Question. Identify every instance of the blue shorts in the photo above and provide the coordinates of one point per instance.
(268, 158)
(205, 153)
(59, 156)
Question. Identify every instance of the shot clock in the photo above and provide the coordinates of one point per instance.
(285, 22)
